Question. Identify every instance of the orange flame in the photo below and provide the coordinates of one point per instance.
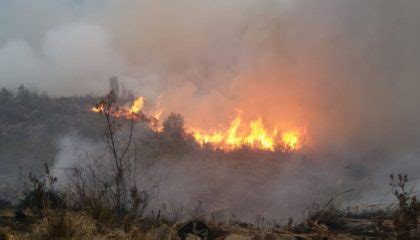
(157, 114)
(291, 140)
(127, 112)
(137, 105)
(97, 109)
(254, 134)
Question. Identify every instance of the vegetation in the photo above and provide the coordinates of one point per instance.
(323, 222)
(103, 200)
(30, 124)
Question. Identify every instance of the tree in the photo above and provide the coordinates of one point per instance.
(174, 125)
(174, 135)
(5, 95)
(118, 152)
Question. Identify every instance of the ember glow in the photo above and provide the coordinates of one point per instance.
(240, 133)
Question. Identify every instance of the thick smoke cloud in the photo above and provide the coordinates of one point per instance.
(345, 70)
(74, 51)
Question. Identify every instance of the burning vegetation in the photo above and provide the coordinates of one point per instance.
(103, 200)
(254, 134)
(238, 134)
(131, 112)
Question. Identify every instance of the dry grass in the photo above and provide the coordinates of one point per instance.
(97, 219)
(64, 225)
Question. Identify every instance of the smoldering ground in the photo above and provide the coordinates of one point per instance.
(346, 70)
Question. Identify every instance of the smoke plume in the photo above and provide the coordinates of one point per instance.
(347, 71)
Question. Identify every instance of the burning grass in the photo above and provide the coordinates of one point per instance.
(105, 203)
(240, 133)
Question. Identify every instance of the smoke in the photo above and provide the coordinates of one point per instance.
(75, 51)
(345, 70)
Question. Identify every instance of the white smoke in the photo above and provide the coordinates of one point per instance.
(348, 70)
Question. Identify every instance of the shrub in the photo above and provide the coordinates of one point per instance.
(41, 195)
(405, 217)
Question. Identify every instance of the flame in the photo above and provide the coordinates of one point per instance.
(157, 114)
(291, 140)
(155, 123)
(254, 134)
(97, 109)
(131, 112)
(137, 105)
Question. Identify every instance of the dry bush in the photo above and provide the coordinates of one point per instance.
(55, 225)
(40, 195)
(405, 217)
(106, 187)
(59, 224)
(96, 195)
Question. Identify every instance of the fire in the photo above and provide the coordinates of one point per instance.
(98, 109)
(239, 133)
(130, 112)
(137, 105)
(291, 140)
(158, 111)
(253, 134)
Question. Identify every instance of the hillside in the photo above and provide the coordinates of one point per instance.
(30, 124)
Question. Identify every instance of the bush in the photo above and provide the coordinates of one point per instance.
(405, 217)
(41, 195)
